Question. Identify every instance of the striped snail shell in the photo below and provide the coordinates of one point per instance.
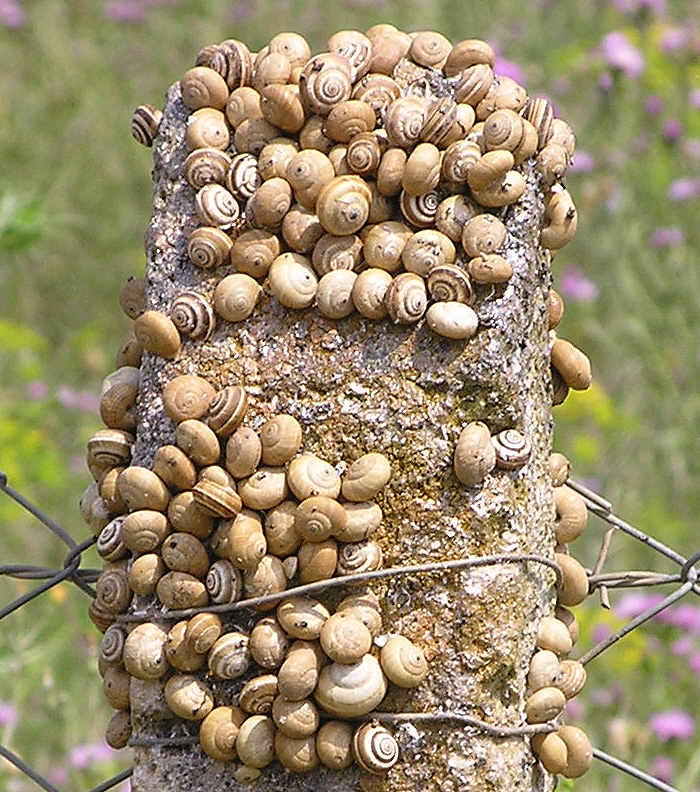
(419, 210)
(570, 678)
(503, 129)
(235, 297)
(207, 128)
(216, 206)
(450, 283)
(403, 662)
(512, 449)
(343, 205)
(336, 252)
(112, 645)
(406, 299)
(243, 103)
(355, 47)
(528, 143)
(109, 542)
(144, 124)
(473, 83)
(364, 153)
(257, 694)
(355, 557)
(209, 247)
(334, 295)
(412, 78)
(460, 157)
(224, 582)
(440, 121)
(324, 82)
(484, 233)
(231, 59)
(229, 657)
(193, 315)
(113, 592)
(227, 410)
(187, 396)
(203, 87)
(110, 447)
(206, 166)
(378, 91)
(309, 475)
(466, 53)
(425, 250)
(282, 107)
(375, 749)
(404, 121)
(540, 113)
(243, 177)
(368, 292)
(430, 49)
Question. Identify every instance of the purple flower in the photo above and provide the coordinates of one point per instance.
(574, 710)
(582, 162)
(83, 401)
(619, 53)
(59, 776)
(673, 40)
(684, 189)
(694, 98)
(654, 105)
(631, 605)
(626, 6)
(600, 633)
(83, 755)
(686, 617)
(8, 714)
(662, 768)
(694, 662)
(506, 68)
(576, 286)
(670, 236)
(37, 390)
(657, 7)
(683, 646)
(12, 14)
(125, 11)
(672, 723)
(605, 82)
(672, 130)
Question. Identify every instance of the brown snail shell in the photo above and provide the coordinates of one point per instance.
(140, 488)
(336, 252)
(271, 68)
(390, 171)
(193, 315)
(362, 519)
(198, 441)
(109, 491)
(426, 250)
(202, 632)
(307, 173)
(179, 651)
(254, 251)
(550, 749)
(348, 691)
(243, 103)
(235, 297)
(301, 229)
(255, 741)
(275, 156)
(452, 319)
(207, 128)
(257, 694)
(282, 107)
(460, 157)
(357, 557)
(118, 400)
(253, 134)
(334, 744)
(466, 53)
(293, 281)
(334, 295)
(452, 215)
(512, 449)
(560, 390)
(265, 489)
(364, 153)
(446, 120)
(174, 467)
(224, 582)
(280, 438)
(293, 46)
(109, 542)
(343, 205)
(227, 409)
(217, 475)
(355, 47)
(144, 651)
(406, 299)
(420, 210)
(317, 560)
(218, 732)
(112, 588)
(378, 91)
(369, 291)
(574, 587)
(571, 514)
(309, 475)
(366, 477)
(484, 233)
(404, 121)
(229, 657)
(215, 499)
(388, 48)
(206, 166)
(144, 530)
(157, 334)
(384, 244)
(243, 452)
(318, 518)
(268, 643)
(240, 541)
(571, 678)
(503, 94)
(187, 396)
(555, 309)
(242, 176)
(269, 204)
(267, 578)
(579, 753)
(130, 352)
(528, 144)
(209, 247)
(429, 48)
(544, 705)
(561, 132)
(552, 162)
(490, 268)
(375, 749)
(449, 283)
(553, 635)
(490, 168)
(145, 121)
(312, 135)
(280, 529)
(231, 59)
(475, 454)
(344, 638)
(178, 590)
(349, 118)
(302, 617)
(203, 87)
(559, 469)
(562, 218)
(572, 364)
(503, 129)
(115, 687)
(132, 297)
(543, 670)
(295, 719)
(118, 732)
(324, 82)
(422, 170)
(474, 83)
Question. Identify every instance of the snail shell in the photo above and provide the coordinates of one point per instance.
(202, 631)
(157, 334)
(218, 732)
(388, 48)
(243, 103)
(555, 309)
(318, 518)
(356, 557)
(420, 210)
(571, 515)
(130, 351)
(209, 247)
(422, 170)
(490, 268)
(325, 81)
(560, 390)
(298, 675)
(109, 542)
(366, 477)
(254, 251)
(528, 144)
(217, 475)
(378, 91)
(355, 47)
(544, 705)
(187, 396)
(269, 204)
(253, 134)
(473, 83)
(242, 176)
(362, 519)
(449, 283)
(512, 449)
(255, 741)
(403, 662)
(404, 121)
(302, 617)
(183, 552)
(375, 749)
(282, 107)
(484, 233)
(144, 651)
(336, 253)
(100, 617)
(235, 297)
(271, 68)
(268, 643)
(490, 168)
(144, 530)
(384, 245)
(229, 657)
(243, 452)
(562, 218)
(562, 133)
(203, 87)
(559, 469)
(140, 488)
(344, 638)
(177, 590)
(406, 298)
(245, 774)
(312, 135)
(553, 636)
(550, 749)
(116, 688)
(334, 744)
(460, 157)
(293, 281)
(112, 645)
(334, 295)
(179, 651)
(132, 297)
(571, 678)
(224, 582)
(540, 113)
(198, 441)
(206, 166)
(185, 515)
(193, 315)
(301, 229)
(118, 732)
(231, 59)
(280, 529)
(227, 410)
(216, 499)
(390, 172)
(551, 163)
(216, 206)
(503, 94)
(349, 118)
(364, 153)
(112, 588)
(307, 173)
(475, 455)
(309, 475)
(442, 124)
(503, 129)
(109, 491)
(467, 53)
(145, 121)
(280, 438)
(544, 667)
(257, 694)
(452, 215)
(426, 250)
(572, 364)
(343, 205)
(452, 320)
(265, 489)
(297, 755)
(348, 691)
(574, 588)
(317, 560)
(275, 156)
(429, 48)
(188, 697)
(369, 291)
(579, 753)
(295, 718)
(207, 128)
(293, 46)
(364, 607)
(267, 578)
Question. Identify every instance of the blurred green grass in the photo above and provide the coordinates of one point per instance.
(74, 201)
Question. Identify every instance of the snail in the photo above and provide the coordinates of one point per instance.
(319, 517)
(227, 409)
(572, 364)
(255, 741)
(218, 732)
(187, 396)
(452, 214)
(253, 134)
(364, 607)
(334, 744)
(118, 732)
(229, 656)
(374, 748)
(356, 557)
(574, 586)
(307, 173)
(466, 53)
(349, 118)
(203, 87)
(490, 268)
(512, 449)
(302, 617)
(384, 244)
(298, 674)
(265, 489)
(231, 59)
(301, 229)
(209, 247)
(368, 292)
(243, 452)
(144, 574)
(366, 477)
(145, 121)
(355, 47)
(543, 670)
(180, 590)
(206, 166)
(344, 638)
(343, 205)
(275, 156)
(115, 686)
(235, 297)
(571, 514)
(216, 499)
(422, 170)
(452, 319)
(293, 281)
(449, 283)
(562, 220)
(254, 251)
(144, 651)
(334, 253)
(193, 315)
(157, 333)
(419, 210)
(188, 697)
(268, 643)
(141, 488)
(223, 582)
(257, 694)
(309, 475)
(445, 121)
(207, 128)
(570, 678)
(425, 250)
(473, 83)
(544, 705)
(325, 81)
(406, 298)
(243, 102)
(553, 636)
(112, 589)
(475, 454)
(183, 552)
(348, 691)
(198, 441)
(317, 560)
(132, 297)
(267, 578)
(484, 233)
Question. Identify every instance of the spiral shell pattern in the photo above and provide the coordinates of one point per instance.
(503, 129)
(512, 449)
(375, 748)
(355, 47)
(243, 177)
(334, 295)
(112, 646)
(403, 662)
(235, 297)
(309, 475)
(227, 410)
(473, 83)
(216, 206)
(209, 247)
(187, 396)
(144, 124)
(364, 153)
(450, 283)
(440, 121)
(357, 557)
(109, 542)
(257, 694)
(378, 91)
(406, 299)
(113, 592)
(419, 210)
(224, 582)
(206, 166)
(193, 315)
(324, 82)
(336, 252)
(570, 678)
(231, 59)
(230, 656)
(459, 159)
(404, 121)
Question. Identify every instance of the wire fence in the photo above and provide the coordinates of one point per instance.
(685, 581)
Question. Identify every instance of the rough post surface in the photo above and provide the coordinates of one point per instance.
(358, 385)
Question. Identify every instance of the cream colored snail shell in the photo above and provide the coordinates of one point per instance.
(366, 477)
(390, 171)
(207, 128)
(571, 678)
(203, 87)
(324, 82)
(406, 298)
(209, 247)
(295, 718)
(364, 607)
(502, 192)
(174, 467)
(145, 572)
(543, 670)
(254, 251)
(559, 469)
(404, 120)
(356, 557)
(490, 268)
(452, 319)
(551, 750)
(198, 441)
(384, 244)
(369, 291)
(355, 47)
(229, 657)
(235, 297)
(299, 672)
(403, 662)
(490, 168)
(267, 578)
(553, 635)
(243, 102)
(293, 281)
(141, 488)
(202, 631)
(572, 364)
(275, 156)
(343, 205)
(319, 517)
(348, 691)
(187, 396)
(144, 651)
(144, 124)
(206, 166)
(475, 454)
(188, 697)
(544, 705)
(571, 514)
(243, 452)
(512, 449)
(309, 475)
(178, 590)
(157, 334)
(574, 587)
(466, 53)
(265, 489)
(257, 694)
(268, 643)
(334, 744)
(425, 250)
(302, 617)
(579, 753)
(349, 118)
(317, 560)
(280, 529)
(301, 229)
(255, 741)
(240, 541)
(422, 170)
(334, 253)
(484, 233)
(344, 638)
(218, 732)
(296, 754)
(374, 748)
(185, 515)
(334, 295)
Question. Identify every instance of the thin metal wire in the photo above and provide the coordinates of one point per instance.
(633, 771)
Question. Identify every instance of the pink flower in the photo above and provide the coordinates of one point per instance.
(574, 710)
(83, 401)
(605, 82)
(507, 68)
(683, 646)
(671, 236)
(694, 98)
(619, 53)
(8, 714)
(672, 130)
(694, 662)
(600, 633)
(83, 755)
(582, 162)
(59, 776)
(654, 104)
(576, 286)
(125, 11)
(672, 724)
(684, 189)
(673, 40)
(631, 605)
(686, 617)
(12, 14)
(37, 390)
(662, 768)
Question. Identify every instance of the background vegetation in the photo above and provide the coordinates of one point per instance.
(75, 198)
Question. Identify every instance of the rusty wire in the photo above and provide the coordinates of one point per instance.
(687, 580)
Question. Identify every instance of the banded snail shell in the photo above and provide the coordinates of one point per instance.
(512, 449)
(231, 59)
(404, 121)
(206, 166)
(355, 47)
(334, 744)
(282, 107)
(109, 541)
(254, 251)
(218, 732)
(112, 645)
(503, 129)
(243, 103)
(378, 91)
(112, 588)
(227, 410)
(229, 657)
(307, 173)
(202, 631)
(243, 452)
(336, 252)
(187, 396)
(467, 53)
(426, 250)
(193, 315)
(406, 299)
(207, 128)
(489, 268)
(117, 404)
(157, 334)
(334, 295)
(257, 694)
(369, 291)
(473, 83)
(484, 233)
(390, 173)
(366, 477)
(570, 678)
(269, 204)
(452, 319)
(420, 210)
(356, 557)
(235, 297)
(528, 144)
(449, 283)
(375, 749)
(203, 87)
(441, 121)
(324, 82)
(309, 475)
(364, 153)
(110, 447)
(540, 113)
(145, 121)
(243, 177)
(302, 617)
(343, 205)
(224, 582)
(460, 157)
(216, 500)
(209, 247)
(348, 691)
(216, 206)
(293, 281)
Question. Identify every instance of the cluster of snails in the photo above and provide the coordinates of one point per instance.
(365, 178)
